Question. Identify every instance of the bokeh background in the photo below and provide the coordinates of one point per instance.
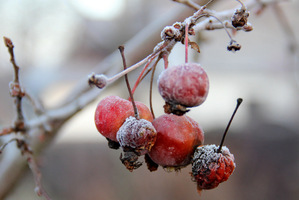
(58, 42)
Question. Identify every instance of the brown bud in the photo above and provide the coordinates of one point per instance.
(233, 46)
(239, 19)
(99, 81)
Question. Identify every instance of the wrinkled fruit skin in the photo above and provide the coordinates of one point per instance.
(177, 138)
(186, 85)
(113, 111)
(136, 135)
(210, 168)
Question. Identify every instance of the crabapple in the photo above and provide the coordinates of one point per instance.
(210, 167)
(137, 135)
(177, 138)
(112, 112)
(185, 85)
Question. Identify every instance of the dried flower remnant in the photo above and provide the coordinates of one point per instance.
(233, 46)
(130, 160)
(240, 17)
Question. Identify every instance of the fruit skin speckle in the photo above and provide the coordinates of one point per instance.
(210, 168)
(177, 138)
(186, 85)
(112, 112)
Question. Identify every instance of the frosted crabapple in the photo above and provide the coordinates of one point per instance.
(211, 165)
(112, 112)
(136, 135)
(182, 86)
(177, 138)
(210, 168)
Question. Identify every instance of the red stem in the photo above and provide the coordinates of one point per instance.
(141, 74)
(186, 42)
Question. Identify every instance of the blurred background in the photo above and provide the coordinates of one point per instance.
(58, 42)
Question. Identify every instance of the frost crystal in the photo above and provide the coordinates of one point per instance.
(137, 135)
(210, 168)
(204, 156)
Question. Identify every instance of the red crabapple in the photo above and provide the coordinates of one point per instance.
(177, 138)
(182, 86)
(210, 168)
(113, 111)
(211, 165)
(136, 135)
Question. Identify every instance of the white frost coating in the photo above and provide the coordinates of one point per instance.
(187, 85)
(206, 155)
(170, 32)
(135, 133)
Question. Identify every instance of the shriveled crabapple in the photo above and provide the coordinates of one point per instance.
(211, 165)
(112, 112)
(183, 86)
(210, 168)
(136, 135)
(177, 138)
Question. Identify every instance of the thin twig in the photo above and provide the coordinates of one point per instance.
(151, 86)
(189, 3)
(286, 27)
(39, 189)
(16, 90)
(7, 131)
(8, 43)
(122, 49)
(6, 143)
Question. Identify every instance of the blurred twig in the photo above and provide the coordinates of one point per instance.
(292, 41)
(17, 92)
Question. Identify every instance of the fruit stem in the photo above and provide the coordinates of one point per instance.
(140, 77)
(239, 101)
(186, 42)
(151, 86)
(243, 6)
(121, 49)
(224, 26)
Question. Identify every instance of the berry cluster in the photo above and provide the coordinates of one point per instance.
(169, 140)
(172, 140)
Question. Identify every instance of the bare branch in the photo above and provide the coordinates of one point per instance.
(40, 191)
(16, 90)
